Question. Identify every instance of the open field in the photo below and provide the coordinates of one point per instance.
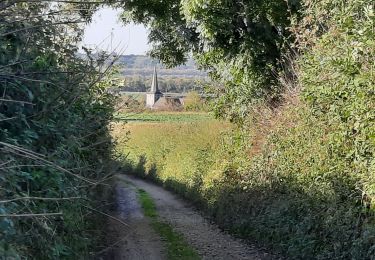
(171, 141)
(163, 117)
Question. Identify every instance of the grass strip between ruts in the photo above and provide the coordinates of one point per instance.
(177, 247)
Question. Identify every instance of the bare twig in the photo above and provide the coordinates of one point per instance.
(5, 163)
(16, 101)
(39, 26)
(10, 118)
(38, 198)
(30, 215)
(21, 165)
(14, 63)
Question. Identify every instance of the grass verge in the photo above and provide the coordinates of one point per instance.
(177, 247)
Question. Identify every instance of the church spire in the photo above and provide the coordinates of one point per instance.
(154, 94)
(155, 86)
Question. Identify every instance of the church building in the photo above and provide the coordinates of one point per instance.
(155, 99)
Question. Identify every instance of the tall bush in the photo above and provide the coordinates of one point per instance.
(54, 141)
(194, 102)
(310, 191)
(337, 73)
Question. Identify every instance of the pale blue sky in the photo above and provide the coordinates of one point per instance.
(131, 38)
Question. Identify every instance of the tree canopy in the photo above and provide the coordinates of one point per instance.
(239, 42)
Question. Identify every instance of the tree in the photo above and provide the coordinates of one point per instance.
(193, 102)
(239, 42)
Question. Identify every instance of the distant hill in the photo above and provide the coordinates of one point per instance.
(141, 65)
(135, 74)
(142, 61)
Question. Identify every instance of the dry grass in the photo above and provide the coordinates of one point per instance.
(176, 149)
(265, 120)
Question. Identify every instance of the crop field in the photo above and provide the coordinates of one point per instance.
(164, 137)
(161, 117)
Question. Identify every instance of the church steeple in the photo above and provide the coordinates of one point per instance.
(155, 85)
(154, 94)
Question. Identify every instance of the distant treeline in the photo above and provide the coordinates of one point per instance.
(143, 61)
(140, 83)
(147, 72)
(135, 72)
(132, 65)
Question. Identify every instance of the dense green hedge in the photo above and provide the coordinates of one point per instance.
(54, 139)
(301, 180)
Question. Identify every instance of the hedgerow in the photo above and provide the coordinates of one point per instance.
(54, 141)
(298, 177)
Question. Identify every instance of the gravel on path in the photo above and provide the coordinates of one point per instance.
(137, 240)
(209, 241)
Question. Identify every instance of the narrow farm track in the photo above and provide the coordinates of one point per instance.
(208, 240)
(137, 240)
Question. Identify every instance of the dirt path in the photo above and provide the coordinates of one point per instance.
(137, 241)
(209, 241)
